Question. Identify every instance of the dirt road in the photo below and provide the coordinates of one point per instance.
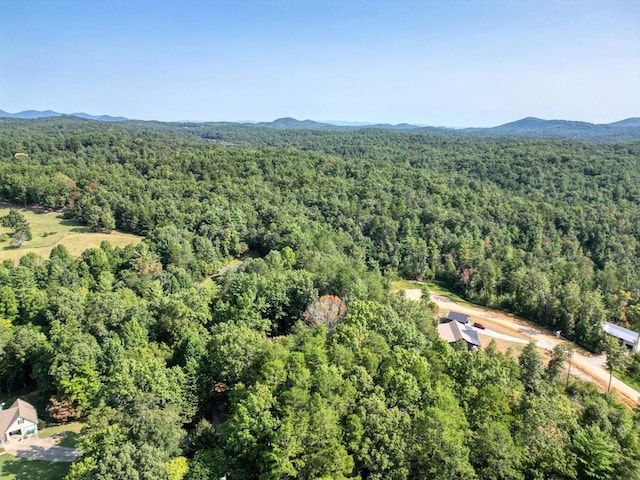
(591, 366)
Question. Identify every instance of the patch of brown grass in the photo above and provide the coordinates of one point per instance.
(50, 229)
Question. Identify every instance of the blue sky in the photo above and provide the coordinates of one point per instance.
(453, 63)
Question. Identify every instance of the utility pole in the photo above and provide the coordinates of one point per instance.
(570, 355)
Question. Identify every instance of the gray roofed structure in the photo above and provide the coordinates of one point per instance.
(454, 331)
(628, 337)
(458, 317)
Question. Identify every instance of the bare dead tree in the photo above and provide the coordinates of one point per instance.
(328, 310)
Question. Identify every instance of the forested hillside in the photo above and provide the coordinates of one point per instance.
(299, 363)
(547, 229)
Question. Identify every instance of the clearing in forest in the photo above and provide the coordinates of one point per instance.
(588, 366)
(50, 229)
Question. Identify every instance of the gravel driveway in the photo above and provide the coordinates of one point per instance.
(591, 365)
(35, 448)
(413, 294)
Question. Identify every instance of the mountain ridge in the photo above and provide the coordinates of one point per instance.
(532, 127)
(35, 114)
(528, 127)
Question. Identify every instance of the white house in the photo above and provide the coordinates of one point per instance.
(18, 421)
(628, 338)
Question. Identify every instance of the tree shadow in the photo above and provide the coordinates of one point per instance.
(69, 439)
(22, 469)
(69, 222)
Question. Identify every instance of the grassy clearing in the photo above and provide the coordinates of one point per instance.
(227, 264)
(70, 431)
(234, 262)
(13, 468)
(50, 229)
(437, 289)
(503, 346)
(402, 284)
(632, 382)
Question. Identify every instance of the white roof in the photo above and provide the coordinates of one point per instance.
(622, 333)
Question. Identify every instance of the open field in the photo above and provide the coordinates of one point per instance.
(50, 229)
(402, 284)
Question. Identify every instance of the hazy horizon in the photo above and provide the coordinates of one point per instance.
(453, 64)
(345, 123)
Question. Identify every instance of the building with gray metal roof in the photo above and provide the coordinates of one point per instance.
(458, 317)
(629, 338)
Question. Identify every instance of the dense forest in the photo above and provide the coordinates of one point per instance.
(299, 363)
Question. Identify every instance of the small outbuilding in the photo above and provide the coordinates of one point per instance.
(18, 421)
(628, 338)
(458, 317)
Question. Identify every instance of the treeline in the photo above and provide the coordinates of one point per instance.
(546, 229)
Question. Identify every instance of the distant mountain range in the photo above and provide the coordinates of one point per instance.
(628, 129)
(292, 123)
(33, 114)
(530, 127)
(561, 128)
